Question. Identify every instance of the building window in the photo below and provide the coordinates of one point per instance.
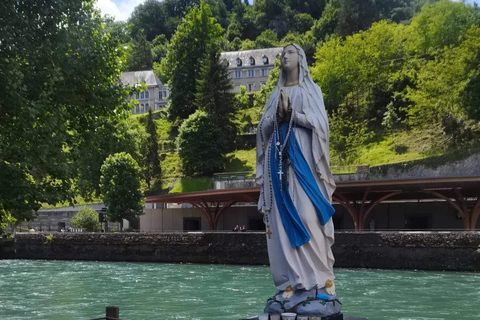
(142, 95)
(250, 87)
(147, 95)
(162, 95)
(265, 72)
(265, 60)
(137, 96)
(238, 74)
(146, 106)
(251, 73)
(252, 61)
(239, 62)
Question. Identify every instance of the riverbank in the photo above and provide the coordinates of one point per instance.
(452, 251)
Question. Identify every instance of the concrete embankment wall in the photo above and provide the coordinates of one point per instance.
(455, 251)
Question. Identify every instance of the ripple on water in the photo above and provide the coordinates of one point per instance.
(80, 290)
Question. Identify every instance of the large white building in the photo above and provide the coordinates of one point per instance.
(154, 97)
(250, 68)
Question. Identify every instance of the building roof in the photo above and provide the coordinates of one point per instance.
(245, 55)
(146, 76)
(355, 191)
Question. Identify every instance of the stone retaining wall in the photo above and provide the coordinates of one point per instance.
(455, 251)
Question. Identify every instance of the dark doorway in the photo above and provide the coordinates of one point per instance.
(256, 225)
(419, 223)
(337, 222)
(61, 225)
(192, 224)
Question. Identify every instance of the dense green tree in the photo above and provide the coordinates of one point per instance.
(200, 154)
(122, 188)
(356, 15)
(356, 71)
(215, 96)
(61, 78)
(86, 218)
(150, 18)
(267, 39)
(152, 166)
(107, 138)
(234, 45)
(313, 7)
(198, 34)
(274, 14)
(327, 24)
(209, 134)
(442, 24)
(159, 48)
(444, 85)
(234, 28)
(248, 44)
(118, 30)
(302, 22)
(139, 56)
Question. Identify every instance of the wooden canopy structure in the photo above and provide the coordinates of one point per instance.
(359, 198)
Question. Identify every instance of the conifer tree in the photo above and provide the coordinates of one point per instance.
(152, 170)
(140, 57)
(195, 37)
(214, 95)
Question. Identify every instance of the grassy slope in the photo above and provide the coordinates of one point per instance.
(397, 147)
(78, 202)
(401, 147)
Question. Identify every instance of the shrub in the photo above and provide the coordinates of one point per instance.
(86, 218)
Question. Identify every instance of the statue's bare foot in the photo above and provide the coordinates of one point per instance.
(288, 293)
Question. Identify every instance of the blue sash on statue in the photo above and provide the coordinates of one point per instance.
(296, 231)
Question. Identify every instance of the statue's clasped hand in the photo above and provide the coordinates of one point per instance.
(284, 110)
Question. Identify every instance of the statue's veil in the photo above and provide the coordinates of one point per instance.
(314, 110)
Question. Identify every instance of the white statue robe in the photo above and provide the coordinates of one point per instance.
(311, 264)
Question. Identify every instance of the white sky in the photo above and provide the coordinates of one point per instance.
(120, 9)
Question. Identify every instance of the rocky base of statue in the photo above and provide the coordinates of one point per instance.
(314, 302)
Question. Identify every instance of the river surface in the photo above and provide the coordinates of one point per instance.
(54, 290)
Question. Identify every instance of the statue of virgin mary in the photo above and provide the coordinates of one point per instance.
(296, 191)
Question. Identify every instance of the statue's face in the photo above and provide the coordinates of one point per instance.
(290, 58)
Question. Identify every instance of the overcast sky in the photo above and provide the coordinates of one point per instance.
(121, 9)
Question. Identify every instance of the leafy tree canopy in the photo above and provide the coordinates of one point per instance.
(61, 72)
(122, 188)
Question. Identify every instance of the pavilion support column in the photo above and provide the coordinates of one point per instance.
(344, 202)
(474, 215)
(205, 209)
(459, 204)
(465, 213)
(220, 211)
(365, 209)
(213, 211)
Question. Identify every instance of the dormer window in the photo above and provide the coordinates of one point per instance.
(239, 62)
(265, 60)
(252, 61)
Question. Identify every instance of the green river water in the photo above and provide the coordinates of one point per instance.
(57, 290)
